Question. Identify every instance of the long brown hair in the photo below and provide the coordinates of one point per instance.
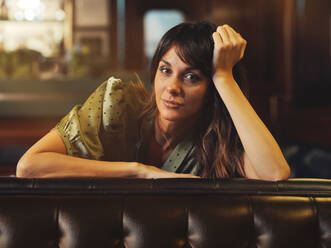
(220, 152)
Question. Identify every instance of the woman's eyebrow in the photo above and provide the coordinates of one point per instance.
(189, 68)
(166, 62)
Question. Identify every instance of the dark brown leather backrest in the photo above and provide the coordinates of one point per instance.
(87, 212)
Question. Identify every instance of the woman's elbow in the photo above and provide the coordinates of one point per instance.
(24, 167)
(283, 173)
(286, 175)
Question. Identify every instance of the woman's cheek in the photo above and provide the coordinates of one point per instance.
(197, 98)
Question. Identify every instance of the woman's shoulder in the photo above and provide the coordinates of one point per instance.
(116, 92)
(129, 91)
(121, 101)
(111, 110)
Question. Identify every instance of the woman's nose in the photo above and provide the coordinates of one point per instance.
(174, 86)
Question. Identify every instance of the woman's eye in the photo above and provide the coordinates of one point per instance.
(165, 70)
(191, 77)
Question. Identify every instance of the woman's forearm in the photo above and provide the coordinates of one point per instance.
(260, 147)
(51, 164)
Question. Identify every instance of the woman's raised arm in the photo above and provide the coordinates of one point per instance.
(263, 158)
(48, 158)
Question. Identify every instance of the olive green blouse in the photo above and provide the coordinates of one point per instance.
(106, 128)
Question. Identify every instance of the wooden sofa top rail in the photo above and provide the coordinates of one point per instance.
(104, 186)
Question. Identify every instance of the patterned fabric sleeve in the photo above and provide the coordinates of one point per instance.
(80, 129)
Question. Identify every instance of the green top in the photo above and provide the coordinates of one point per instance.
(106, 128)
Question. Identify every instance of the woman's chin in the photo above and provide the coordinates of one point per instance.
(171, 117)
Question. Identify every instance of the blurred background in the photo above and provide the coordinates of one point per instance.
(54, 53)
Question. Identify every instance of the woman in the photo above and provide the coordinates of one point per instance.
(197, 122)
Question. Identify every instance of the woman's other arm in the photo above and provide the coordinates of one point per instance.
(48, 158)
(263, 158)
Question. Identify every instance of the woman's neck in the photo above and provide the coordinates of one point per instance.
(169, 133)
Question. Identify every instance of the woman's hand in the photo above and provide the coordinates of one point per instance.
(147, 171)
(229, 48)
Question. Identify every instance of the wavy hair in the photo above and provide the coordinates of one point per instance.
(219, 149)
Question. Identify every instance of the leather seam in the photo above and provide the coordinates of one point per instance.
(187, 225)
(251, 213)
(122, 219)
(57, 210)
(316, 214)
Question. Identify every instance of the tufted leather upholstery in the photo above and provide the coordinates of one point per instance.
(133, 213)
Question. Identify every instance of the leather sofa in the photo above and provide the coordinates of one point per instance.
(138, 213)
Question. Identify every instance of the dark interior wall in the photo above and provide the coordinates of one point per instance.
(312, 68)
(306, 116)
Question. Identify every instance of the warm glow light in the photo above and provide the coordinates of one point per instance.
(28, 4)
(19, 16)
(60, 15)
(35, 10)
(29, 14)
(29, 29)
(29, 10)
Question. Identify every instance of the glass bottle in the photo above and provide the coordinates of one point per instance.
(3, 10)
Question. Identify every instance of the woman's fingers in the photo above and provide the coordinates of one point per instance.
(232, 39)
(243, 48)
(239, 40)
(217, 39)
(234, 36)
(224, 35)
(229, 48)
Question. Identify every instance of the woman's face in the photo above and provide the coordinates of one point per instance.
(180, 89)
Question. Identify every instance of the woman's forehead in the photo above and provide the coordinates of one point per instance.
(173, 56)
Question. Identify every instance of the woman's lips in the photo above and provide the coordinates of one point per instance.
(172, 104)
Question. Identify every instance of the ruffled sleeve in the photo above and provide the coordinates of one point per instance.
(104, 126)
